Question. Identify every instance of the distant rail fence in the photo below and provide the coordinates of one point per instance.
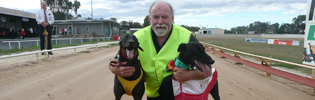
(251, 35)
(265, 66)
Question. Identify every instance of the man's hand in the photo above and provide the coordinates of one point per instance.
(45, 24)
(181, 75)
(123, 71)
(184, 75)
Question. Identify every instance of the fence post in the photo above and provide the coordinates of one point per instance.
(81, 40)
(37, 43)
(19, 45)
(70, 40)
(37, 57)
(10, 45)
(313, 76)
(90, 40)
(56, 41)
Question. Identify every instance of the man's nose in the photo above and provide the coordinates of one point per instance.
(160, 21)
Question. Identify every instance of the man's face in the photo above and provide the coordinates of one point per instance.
(44, 5)
(161, 19)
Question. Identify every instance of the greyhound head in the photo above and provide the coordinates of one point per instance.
(194, 54)
(128, 47)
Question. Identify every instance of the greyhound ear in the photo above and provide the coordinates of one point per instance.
(181, 47)
(119, 43)
(140, 48)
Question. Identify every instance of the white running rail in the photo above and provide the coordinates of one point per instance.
(56, 40)
(46, 51)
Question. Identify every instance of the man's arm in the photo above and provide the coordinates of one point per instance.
(38, 17)
(123, 71)
(51, 20)
(185, 75)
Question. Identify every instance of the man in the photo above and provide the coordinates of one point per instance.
(35, 32)
(160, 42)
(7, 32)
(31, 31)
(12, 31)
(45, 18)
(66, 30)
(63, 30)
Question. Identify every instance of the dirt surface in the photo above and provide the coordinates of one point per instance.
(85, 76)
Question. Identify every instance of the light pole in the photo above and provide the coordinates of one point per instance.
(91, 10)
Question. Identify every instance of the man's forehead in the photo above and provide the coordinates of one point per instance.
(161, 15)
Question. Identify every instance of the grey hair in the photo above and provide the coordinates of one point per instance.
(172, 11)
(44, 2)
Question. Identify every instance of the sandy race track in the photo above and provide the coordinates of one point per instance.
(85, 76)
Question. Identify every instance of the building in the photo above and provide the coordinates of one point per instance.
(133, 30)
(16, 18)
(211, 31)
(100, 27)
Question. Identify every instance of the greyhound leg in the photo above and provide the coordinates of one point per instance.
(138, 90)
(215, 92)
(118, 89)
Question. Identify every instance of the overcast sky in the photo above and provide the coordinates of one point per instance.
(223, 14)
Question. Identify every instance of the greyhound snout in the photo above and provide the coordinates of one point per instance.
(131, 42)
(212, 61)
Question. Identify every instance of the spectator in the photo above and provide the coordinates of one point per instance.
(45, 18)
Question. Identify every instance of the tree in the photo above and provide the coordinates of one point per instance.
(285, 28)
(130, 24)
(76, 5)
(62, 8)
(124, 24)
(299, 23)
(137, 25)
(79, 15)
(191, 28)
(146, 21)
(275, 27)
(114, 19)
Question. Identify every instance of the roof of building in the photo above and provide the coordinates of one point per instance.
(80, 21)
(209, 28)
(17, 13)
(135, 29)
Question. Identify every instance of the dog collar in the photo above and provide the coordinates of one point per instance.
(180, 64)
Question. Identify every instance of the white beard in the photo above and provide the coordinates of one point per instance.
(160, 32)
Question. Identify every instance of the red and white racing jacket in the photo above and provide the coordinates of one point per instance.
(195, 89)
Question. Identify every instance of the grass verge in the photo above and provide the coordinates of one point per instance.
(281, 52)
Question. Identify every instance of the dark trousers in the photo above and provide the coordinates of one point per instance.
(166, 90)
(12, 35)
(42, 37)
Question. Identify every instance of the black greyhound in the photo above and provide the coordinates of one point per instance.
(133, 85)
(193, 56)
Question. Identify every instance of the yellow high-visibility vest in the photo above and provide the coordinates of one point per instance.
(153, 64)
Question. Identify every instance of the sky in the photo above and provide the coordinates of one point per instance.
(224, 14)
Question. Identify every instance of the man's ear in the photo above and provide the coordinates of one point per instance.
(181, 47)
